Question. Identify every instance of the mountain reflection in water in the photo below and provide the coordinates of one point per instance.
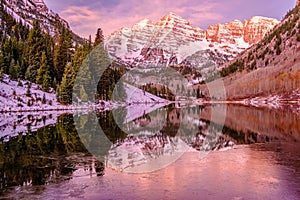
(264, 153)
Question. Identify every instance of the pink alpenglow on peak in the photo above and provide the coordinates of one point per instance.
(172, 39)
(251, 31)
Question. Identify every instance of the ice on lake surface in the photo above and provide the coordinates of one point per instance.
(255, 155)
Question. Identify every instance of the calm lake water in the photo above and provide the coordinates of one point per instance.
(254, 155)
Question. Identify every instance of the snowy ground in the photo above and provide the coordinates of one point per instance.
(13, 97)
(21, 112)
(136, 96)
(274, 101)
(141, 102)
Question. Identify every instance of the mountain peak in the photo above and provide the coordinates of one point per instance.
(172, 20)
(171, 16)
(144, 22)
(261, 18)
(172, 39)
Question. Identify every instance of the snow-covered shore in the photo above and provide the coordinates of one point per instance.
(274, 101)
(17, 96)
(26, 108)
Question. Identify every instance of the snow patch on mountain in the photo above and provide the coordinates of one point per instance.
(172, 39)
(27, 11)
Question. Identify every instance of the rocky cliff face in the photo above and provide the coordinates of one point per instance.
(172, 40)
(269, 68)
(256, 28)
(250, 31)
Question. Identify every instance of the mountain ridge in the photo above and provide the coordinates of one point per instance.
(27, 11)
(271, 67)
(176, 39)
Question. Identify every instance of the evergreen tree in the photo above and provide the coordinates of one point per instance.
(54, 84)
(90, 42)
(63, 53)
(84, 79)
(7, 21)
(15, 49)
(7, 52)
(28, 91)
(43, 75)
(20, 83)
(20, 49)
(13, 70)
(36, 46)
(29, 104)
(70, 75)
(65, 89)
(1, 74)
(44, 99)
(1, 66)
(50, 56)
(1, 60)
(99, 37)
(42, 70)
(46, 81)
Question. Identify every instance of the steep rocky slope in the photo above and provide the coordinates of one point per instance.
(272, 67)
(174, 41)
(27, 11)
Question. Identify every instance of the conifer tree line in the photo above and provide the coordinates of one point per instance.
(90, 62)
(32, 54)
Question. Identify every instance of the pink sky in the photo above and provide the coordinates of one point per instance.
(86, 16)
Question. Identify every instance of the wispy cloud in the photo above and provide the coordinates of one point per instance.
(82, 19)
(86, 16)
(85, 19)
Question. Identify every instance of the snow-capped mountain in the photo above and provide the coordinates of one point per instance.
(270, 69)
(172, 40)
(27, 11)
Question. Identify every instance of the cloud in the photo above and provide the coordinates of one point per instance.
(110, 17)
(82, 19)
(86, 16)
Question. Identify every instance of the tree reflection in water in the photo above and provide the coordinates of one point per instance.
(55, 153)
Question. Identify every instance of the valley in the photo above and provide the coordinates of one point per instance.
(158, 109)
(247, 48)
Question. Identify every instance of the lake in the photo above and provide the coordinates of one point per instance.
(152, 152)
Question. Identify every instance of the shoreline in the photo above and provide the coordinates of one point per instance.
(71, 108)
